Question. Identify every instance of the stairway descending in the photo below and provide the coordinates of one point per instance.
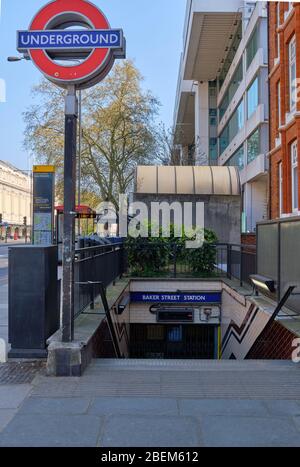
(195, 379)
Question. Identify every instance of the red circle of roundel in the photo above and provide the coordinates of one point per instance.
(97, 59)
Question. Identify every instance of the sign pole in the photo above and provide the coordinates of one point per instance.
(71, 113)
(79, 156)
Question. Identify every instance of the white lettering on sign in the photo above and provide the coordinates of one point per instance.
(114, 38)
(194, 298)
(170, 298)
(153, 298)
(34, 39)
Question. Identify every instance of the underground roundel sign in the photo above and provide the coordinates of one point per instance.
(72, 43)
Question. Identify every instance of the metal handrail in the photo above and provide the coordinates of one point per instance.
(97, 247)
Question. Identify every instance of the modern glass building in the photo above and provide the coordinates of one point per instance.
(221, 110)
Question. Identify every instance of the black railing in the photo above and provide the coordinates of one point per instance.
(96, 267)
(213, 260)
(241, 262)
(100, 266)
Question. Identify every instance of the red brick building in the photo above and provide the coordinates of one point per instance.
(284, 79)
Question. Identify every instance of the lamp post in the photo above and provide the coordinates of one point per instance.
(18, 58)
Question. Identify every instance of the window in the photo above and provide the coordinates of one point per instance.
(212, 88)
(292, 74)
(295, 181)
(288, 9)
(232, 128)
(252, 98)
(237, 160)
(280, 188)
(252, 47)
(253, 146)
(213, 149)
(278, 104)
(232, 88)
(213, 117)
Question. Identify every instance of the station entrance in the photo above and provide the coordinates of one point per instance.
(175, 324)
(173, 341)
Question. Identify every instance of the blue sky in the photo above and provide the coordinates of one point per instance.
(153, 30)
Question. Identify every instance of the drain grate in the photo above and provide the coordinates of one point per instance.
(19, 373)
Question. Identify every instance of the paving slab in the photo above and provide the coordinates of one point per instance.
(222, 407)
(233, 431)
(150, 431)
(6, 415)
(283, 407)
(52, 431)
(11, 397)
(126, 405)
(48, 406)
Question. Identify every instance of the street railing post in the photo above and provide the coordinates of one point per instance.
(175, 259)
(71, 112)
(229, 261)
(243, 253)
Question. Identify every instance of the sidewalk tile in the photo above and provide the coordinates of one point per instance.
(11, 397)
(221, 431)
(244, 407)
(150, 431)
(127, 405)
(52, 431)
(48, 406)
(283, 407)
(6, 415)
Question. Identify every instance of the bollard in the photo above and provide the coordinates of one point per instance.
(3, 351)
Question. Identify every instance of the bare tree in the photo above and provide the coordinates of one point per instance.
(118, 131)
(167, 152)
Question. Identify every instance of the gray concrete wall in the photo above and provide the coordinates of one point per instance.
(222, 213)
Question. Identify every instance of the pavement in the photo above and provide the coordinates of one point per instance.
(131, 403)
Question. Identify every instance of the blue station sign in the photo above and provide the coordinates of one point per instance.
(70, 39)
(206, 297)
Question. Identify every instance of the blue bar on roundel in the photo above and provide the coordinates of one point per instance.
(63, 39)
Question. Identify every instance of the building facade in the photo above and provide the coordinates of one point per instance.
(284, 66)
(222, 110)
(15, 199)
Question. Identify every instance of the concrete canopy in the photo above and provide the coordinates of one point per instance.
(210, 28)
(185, 118)
(188, 180)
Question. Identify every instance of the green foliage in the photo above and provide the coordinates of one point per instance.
(147, 256)
(150, 257)
(203, 259)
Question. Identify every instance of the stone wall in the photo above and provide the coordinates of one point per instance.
(222, 213)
